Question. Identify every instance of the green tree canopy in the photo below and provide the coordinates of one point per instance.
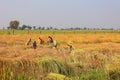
(14, 24)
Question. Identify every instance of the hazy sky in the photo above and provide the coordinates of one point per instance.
(61, 13)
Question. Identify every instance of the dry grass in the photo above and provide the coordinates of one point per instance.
(92, 53)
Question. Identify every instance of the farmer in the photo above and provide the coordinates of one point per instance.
(70, 46)
(34, 45)
(50, 39)
(54, 44)
(41, 41)
(29, 41)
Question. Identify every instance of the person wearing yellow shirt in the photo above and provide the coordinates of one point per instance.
(41, 41)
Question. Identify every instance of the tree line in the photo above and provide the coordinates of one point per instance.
(15, 25)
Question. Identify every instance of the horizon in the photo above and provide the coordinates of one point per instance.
(61, 13)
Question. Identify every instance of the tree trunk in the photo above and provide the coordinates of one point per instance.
(28, 32)
(13, 31)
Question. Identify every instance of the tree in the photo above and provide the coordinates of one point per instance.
(39, 28)
(84, 28)
(34, 27)
(14, 24)
(8, 27)
(24, 27)
(51, 28)
(47, 28)
(29, 27)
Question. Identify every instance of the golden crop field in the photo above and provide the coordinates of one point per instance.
(95, 56)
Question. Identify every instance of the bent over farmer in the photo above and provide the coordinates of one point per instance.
(34, 45)
(50, 39)
(29, 41)
(41, 41)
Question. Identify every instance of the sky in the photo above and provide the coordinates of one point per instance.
(61, 13)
